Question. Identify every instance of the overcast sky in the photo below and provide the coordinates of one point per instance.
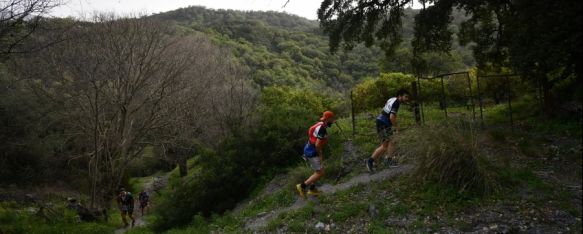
(81, 8)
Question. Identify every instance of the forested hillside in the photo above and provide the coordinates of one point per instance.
(279, 49)
(283, 49)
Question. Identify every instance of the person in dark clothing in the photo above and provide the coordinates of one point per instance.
(125, 202)
(144, 200)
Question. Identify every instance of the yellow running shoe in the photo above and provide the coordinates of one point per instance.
(300, 190)
(314, 192)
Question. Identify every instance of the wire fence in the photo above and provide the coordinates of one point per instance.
(485, 100)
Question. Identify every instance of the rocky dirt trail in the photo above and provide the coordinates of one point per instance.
(261, 221)
(351, 159)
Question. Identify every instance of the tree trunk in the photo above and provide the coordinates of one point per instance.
(416, 102)
(95, 150)
(182, 167)
(547, 98)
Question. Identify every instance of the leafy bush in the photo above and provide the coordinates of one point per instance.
(448, 155)
(206, 190)
(373, 93)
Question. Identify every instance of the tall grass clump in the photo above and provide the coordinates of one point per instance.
(448, 155)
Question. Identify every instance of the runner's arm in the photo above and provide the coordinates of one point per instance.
(393, 119)
(321, 142)
(320, 148)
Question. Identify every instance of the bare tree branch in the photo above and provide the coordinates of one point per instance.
(19, 19)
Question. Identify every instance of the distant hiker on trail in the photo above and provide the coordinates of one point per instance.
(144, 200)
(125, 202)
(313, 152)
(386, 124)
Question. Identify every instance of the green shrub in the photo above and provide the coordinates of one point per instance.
(373, 93)
(448, 155)
(202, 192)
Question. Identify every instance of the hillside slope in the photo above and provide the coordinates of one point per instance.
(278, 48)
(283, 49)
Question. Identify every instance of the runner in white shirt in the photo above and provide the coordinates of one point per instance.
(386, 124)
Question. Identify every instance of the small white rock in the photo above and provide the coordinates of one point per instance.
(320, 226)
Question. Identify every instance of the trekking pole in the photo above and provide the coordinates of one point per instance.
(342, 132)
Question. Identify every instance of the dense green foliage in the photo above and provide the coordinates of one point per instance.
(279, 49)
(287, 50)
(373, 93)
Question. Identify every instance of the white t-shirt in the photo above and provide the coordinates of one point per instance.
(392, 106)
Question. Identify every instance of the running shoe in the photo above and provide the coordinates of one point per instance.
(300, 190)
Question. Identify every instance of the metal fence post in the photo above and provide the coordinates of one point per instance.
(443, 97)
(420, 102)
(471, 97)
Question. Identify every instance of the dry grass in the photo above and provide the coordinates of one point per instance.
(449, 155)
